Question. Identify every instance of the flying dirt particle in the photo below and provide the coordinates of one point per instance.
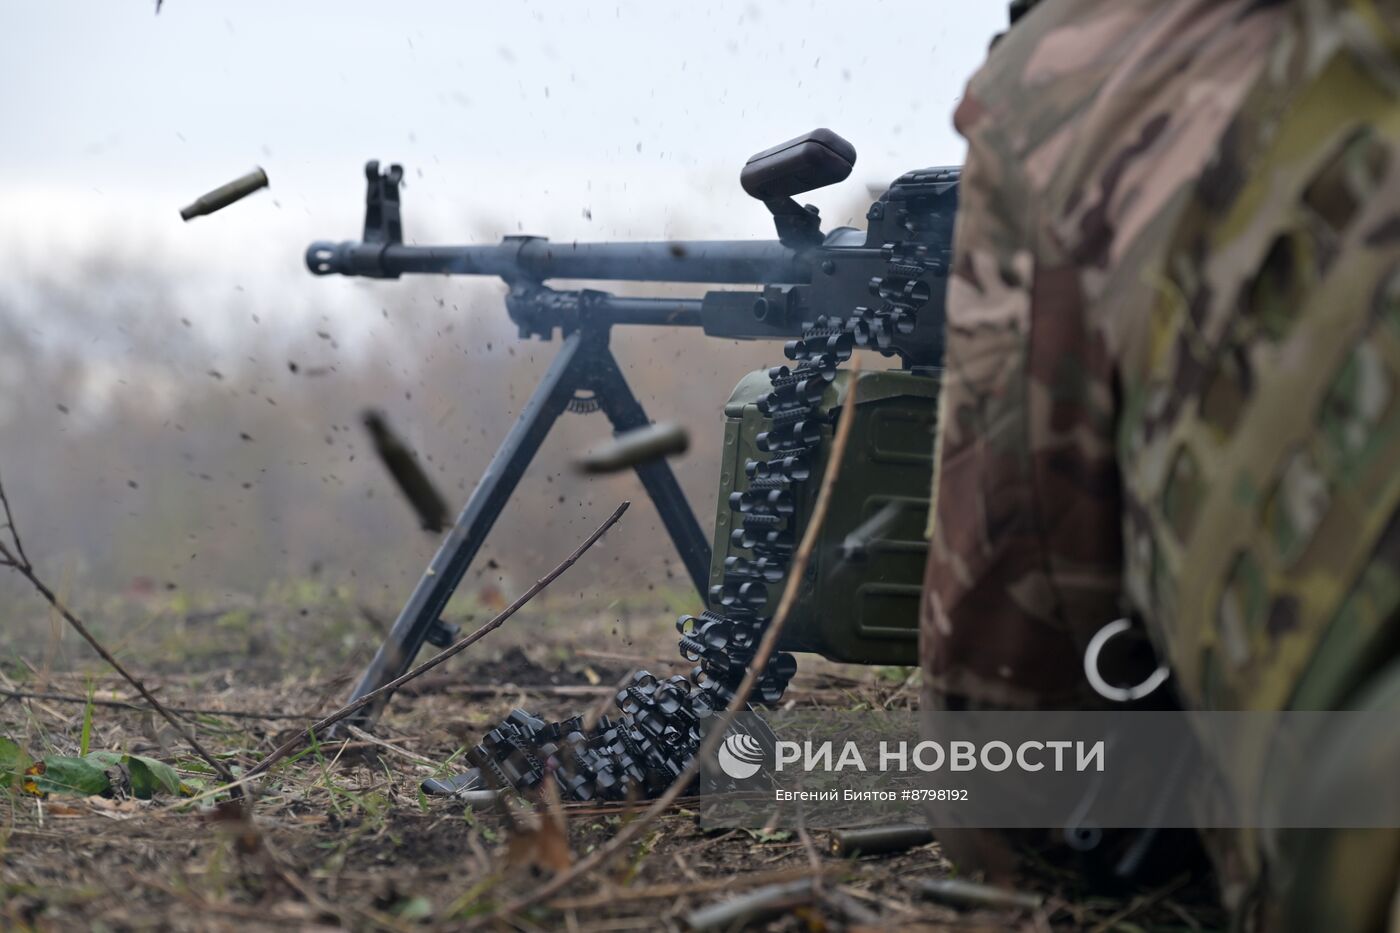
(245, 436)
(185, 321)
(215, 374)
(132, 483)
(62, 407)
(292, 365)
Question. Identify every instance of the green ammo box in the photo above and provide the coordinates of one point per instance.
(860, 607)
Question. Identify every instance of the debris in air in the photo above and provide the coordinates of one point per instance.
(857, 544)
(417, 488)
(224, 195)
(636, 447)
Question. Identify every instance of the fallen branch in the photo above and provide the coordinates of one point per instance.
(292, 744)
(1142, 903)
(669, 890)
(796, 573)
(124, 704)
(456, 687)
(364, 736)
(18, 561)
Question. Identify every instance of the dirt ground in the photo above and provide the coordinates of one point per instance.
(342, 837)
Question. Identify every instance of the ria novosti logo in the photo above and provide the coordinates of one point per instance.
(740, 755)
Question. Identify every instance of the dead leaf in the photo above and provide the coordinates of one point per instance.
(492, 598)
(232, 818)
(546, 844)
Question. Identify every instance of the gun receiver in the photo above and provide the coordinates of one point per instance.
(804, 275)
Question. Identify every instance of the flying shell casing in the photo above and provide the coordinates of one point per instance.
(636, 447)
(224, 195)
(415, 484)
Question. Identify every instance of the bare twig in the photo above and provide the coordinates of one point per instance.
(283, 869)
(612, 896)
(1141, 903)
(364, 736)
(813, 859)
(292, 744)
(456, 687)
(600, 709)
(17, 560)
(123, 704)
(904, 685)
(605, 853)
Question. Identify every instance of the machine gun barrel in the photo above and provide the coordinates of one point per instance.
(536, 259)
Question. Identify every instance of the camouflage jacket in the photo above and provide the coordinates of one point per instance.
(1173, 355)
(1171, 365)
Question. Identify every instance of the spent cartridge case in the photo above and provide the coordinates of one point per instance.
(224, 195)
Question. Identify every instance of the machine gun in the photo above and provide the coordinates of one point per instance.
(825, 294)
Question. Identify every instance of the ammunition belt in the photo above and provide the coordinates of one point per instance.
(642, 749)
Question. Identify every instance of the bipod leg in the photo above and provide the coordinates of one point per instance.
(626, 414)
(420, 619)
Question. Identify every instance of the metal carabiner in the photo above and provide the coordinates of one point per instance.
(1096, 680)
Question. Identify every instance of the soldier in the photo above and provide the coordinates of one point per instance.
(1172, 384)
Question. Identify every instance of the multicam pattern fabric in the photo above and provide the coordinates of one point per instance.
(1173, 359)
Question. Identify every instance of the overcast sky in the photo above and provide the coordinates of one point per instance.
(574, 120)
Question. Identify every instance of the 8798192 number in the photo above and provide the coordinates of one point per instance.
(939, 793)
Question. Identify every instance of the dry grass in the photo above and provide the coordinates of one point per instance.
(341, 835)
